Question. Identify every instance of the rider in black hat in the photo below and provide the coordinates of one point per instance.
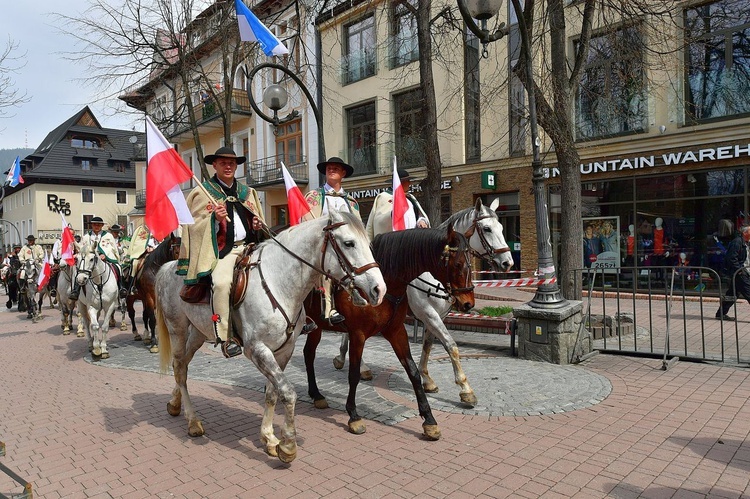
(105, 245)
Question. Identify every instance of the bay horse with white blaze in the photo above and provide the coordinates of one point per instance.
(270, 318)
(403, 256)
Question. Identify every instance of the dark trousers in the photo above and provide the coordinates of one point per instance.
(741, 288)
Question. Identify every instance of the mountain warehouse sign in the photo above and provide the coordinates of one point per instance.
(666, 159)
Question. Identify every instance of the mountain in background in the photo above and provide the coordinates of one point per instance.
(8, 156)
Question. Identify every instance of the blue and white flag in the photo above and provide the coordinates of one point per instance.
(252, 30)
(14, 174)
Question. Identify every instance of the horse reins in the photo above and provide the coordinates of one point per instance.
(489, 251)
(91, 277)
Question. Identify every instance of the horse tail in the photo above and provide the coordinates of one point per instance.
(165, 344)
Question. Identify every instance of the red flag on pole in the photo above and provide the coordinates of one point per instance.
(298, 207)
(400, 205)
(45, 273)
(66, 245)
(166, 208)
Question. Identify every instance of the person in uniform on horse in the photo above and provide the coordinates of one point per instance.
(104, 245)
(223, 227)
(30, 251)
(116, 230)
(415, 216)
(141, 244)
(324, 199)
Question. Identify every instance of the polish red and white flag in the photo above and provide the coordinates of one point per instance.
(166, 207)
(400, 204)
(66, 244)
(298, 207)
(46, 272)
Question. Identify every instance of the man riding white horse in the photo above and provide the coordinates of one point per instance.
(219, 235)
(379, 221)
(30, 251)
(104, 245)
(324, 199)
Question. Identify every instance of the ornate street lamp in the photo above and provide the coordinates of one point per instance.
(547, 295)
(275, 97)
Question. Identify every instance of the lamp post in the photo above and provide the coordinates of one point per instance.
(275, 98)
(547, 295)
(5, 231)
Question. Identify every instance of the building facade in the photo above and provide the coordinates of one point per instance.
(79, 171)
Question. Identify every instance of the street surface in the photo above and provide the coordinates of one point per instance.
(614, 426)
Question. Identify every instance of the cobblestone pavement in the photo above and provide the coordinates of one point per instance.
(613, 426)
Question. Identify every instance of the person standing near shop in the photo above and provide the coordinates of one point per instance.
(323, 200)
(735, 264)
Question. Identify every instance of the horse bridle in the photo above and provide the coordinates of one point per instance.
(489, 251)
(350, 271)
(89, 272)
(450, 292)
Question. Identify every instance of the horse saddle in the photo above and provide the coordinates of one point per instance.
(200, 292)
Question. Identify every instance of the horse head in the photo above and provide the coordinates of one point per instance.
(31, 270)
(457, 258)
(486, 237)
(347, 257)
(88, 261)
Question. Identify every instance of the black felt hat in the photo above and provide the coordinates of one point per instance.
(334, 160)
(31, 237)
(224, 152)
(97, 220)
(115, 227)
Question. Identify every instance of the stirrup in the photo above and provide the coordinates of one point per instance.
(334, 318)
(231, 348)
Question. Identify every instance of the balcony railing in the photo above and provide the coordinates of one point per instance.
(267, 171)
(140, 199)
(209, 110)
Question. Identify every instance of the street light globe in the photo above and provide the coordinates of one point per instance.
(275, 97)
(483, 9)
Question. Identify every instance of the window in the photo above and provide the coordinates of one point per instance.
(611, 97)
(472, 108)
(361, 138)
(122, 197)
(289, 143)
(404, 45)
(360, 52)
(87, 223)
(409, 111)
(717, 36)
(84, 143)
(87, 195)
(86, 164)
(122, 221)
(29, 196)
(119, 166)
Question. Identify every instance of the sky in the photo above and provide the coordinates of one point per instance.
(47, 78)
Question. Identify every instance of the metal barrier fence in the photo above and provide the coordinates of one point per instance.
(662, 312)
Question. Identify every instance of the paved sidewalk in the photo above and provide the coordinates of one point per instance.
(614, 426)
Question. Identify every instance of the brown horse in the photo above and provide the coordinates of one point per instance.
(402, 257)
(142, 288)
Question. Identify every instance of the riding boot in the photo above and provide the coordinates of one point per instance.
(73, 295)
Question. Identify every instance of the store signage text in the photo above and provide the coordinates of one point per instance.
(58, 205)
(371, 193)
(666, 159)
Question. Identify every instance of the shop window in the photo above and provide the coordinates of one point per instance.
(611, 97)
(360, 57)
(410, 118)
(717, 36)
(87, 195)
(404, 45)
(361, 138)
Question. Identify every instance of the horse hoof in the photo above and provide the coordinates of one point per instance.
(286, 457)
(105, 355)
(321, 403)
(357, 427)
(468, 398)
(365, 376)
(154, 349)
(80, 335)
(431, 432)
(338, 363)
(66, 332)
(123, 327)
(433, 388)
(147, 341)
(173, 410)
(137, 337)
(272, 451)
(96, 352)
(195, 429)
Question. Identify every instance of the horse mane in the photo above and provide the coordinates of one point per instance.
(160, 255)
(465, 214)
(409, 252)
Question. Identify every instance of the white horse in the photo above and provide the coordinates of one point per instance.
(271, 317)
(67, 306)
(430, 303)
(98, 299)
